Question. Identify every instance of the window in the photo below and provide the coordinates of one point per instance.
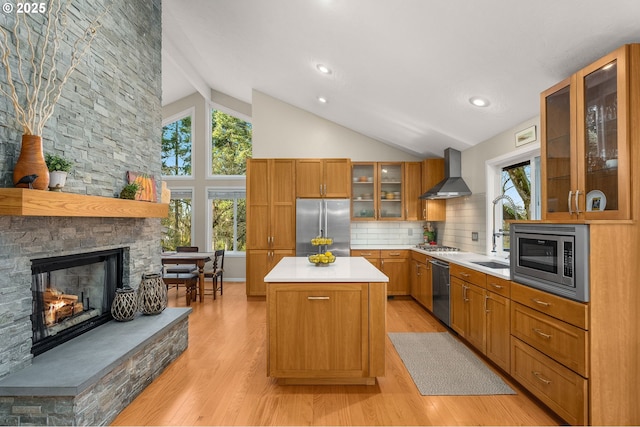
(228, 219)
(515, 183)
(176, 148)
(230, 144)
(514, 176)
(178, 224)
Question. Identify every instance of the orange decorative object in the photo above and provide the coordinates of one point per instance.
(147, 185)
(31, 162)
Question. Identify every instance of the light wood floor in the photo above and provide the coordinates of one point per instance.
(221, 380)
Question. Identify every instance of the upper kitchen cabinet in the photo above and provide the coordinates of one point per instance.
(586, 137)
(378, 191)
(323, 178)
(271, 204)
(412, 191)
(432, 173)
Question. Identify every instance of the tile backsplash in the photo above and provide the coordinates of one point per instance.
(465, 215)
(386, 232)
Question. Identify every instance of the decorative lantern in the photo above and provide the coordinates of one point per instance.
(125, 304)
(152, 294)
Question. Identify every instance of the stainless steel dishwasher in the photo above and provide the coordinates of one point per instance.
(441, 290)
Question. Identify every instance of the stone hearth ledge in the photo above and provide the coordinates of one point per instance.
(71, 368)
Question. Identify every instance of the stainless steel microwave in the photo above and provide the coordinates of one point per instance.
(551, 257)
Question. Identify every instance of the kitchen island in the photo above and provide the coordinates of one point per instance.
(326, 324)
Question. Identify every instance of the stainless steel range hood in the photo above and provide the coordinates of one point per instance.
(452, 185)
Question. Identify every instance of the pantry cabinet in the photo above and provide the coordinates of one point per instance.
(323, 178)
(271, 217)
(377, 191)
(586, 123)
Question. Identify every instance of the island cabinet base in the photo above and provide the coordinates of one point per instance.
(326, 333)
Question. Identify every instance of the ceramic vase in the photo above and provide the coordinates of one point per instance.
(31, 162)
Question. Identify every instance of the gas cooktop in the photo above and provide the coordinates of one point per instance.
(436, 248)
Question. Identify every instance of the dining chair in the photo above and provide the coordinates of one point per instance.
(216, 272)
(181, 268)
(188, 280)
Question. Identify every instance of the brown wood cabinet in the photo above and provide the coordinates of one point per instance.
(549, 350)
(271, 218)
(586, 127)
(323, 333)
(395, 264)
(420, 278)
(412, 191)
(482, 316)
(378, 191)
(323, 178)
(433, 173)
(372, 255)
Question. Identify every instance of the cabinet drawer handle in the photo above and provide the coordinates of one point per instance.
(394, 254)
(542, 334)
(537, 301)
(317, 298)
(365, 253)
(496, 286)
(465, 274)
(540, 377)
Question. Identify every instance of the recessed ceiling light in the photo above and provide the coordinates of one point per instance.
(479, 102)
(323, 69)
(322, 100)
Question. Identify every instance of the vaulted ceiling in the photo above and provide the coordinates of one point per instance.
(402, 71)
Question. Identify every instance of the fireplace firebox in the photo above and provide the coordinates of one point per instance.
(72, 294)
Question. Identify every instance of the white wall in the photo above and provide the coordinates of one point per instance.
(469, 214)
(281, 130)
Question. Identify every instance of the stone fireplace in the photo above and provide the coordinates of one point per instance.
(72, 294)
(107, 121)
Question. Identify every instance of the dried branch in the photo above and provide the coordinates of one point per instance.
(41, 85)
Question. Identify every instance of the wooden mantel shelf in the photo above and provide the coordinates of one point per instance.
(26, 202)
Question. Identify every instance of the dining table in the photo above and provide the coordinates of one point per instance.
(199, 259)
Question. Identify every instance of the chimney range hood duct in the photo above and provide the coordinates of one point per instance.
(452, 185)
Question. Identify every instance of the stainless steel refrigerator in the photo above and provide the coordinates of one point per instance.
(323, 217)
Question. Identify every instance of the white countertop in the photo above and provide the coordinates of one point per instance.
(461, 258)
(467, 259)
(344, 269)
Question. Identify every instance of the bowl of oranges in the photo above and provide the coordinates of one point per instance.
(323, 259)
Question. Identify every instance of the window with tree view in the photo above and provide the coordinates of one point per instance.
(516, 187)
(177, 226)
(230, 144)
(176, 148)
(228, 214)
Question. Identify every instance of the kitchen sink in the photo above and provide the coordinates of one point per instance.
(491, 264)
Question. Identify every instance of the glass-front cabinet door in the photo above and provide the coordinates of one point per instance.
(390, 191)
(603, 165)
(363, 190)
(558, 133)
(585, 146)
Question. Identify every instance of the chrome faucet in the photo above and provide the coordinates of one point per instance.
(499, 233)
